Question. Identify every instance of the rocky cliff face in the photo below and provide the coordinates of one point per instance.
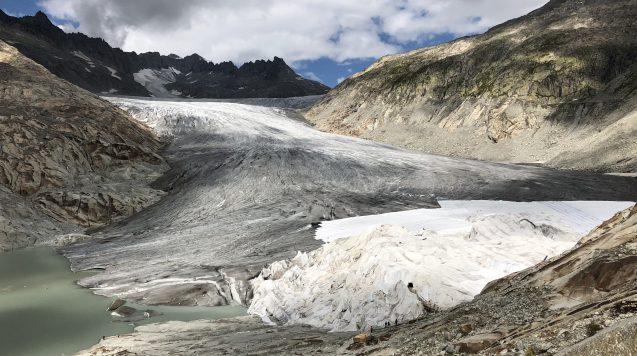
(557, 86)
(66, 155)
(93, 64)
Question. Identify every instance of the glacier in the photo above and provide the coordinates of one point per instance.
(249, 183)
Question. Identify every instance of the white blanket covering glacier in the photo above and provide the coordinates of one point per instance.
(360, 277)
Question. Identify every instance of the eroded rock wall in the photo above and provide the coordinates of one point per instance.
(68, 154)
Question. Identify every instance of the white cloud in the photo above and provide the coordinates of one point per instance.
(339, 80)
(66, 27)
(11, 13)
(312, 76)
(295, 30)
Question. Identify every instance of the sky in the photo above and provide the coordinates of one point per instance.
(325, 40)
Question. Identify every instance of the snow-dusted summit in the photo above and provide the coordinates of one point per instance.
(93, 64)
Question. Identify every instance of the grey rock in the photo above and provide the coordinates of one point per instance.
(620, 339)
(67, 155)
(116, 304)
(124, 311)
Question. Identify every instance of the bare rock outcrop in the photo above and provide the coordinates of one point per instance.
(22, 225)
(67, 154)
(557, 86)
(236, 336)
(619, 339)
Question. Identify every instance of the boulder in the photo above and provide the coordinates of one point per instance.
(116, 304)
(465, 329)
(123, 311)
(360, 338)
(477, 343)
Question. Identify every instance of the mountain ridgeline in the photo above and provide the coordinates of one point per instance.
(556, 87)
(92, 64)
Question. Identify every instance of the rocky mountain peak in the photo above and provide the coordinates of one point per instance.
(4, 16)
(39, 22)
(41, 16)
(279, 61)
(93, 64)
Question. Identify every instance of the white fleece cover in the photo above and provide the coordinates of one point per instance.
(359, 278)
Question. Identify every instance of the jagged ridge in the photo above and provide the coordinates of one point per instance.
(91, 63)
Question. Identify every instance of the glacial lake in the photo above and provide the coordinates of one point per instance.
(43, 311)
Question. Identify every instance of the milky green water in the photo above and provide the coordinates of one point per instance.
(43, 311)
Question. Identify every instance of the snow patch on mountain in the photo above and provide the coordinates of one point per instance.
(397, 266)
(154, 80)
(113, 72)
(81, 55)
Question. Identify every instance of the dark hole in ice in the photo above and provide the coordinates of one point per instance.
(410, 285)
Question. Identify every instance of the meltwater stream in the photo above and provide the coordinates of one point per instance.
(43, 311)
